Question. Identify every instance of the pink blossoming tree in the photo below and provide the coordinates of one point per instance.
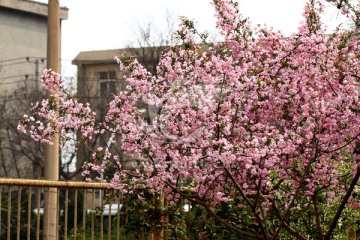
(260, 130)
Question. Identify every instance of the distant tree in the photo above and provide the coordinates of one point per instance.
(259, 131)
(148, 41)
(20, 155)
(11, 164)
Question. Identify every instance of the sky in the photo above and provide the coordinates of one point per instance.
(110, 24)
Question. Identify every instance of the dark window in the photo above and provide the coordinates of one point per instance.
(107, 84)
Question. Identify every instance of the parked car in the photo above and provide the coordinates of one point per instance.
(114, 209)
(106, 209)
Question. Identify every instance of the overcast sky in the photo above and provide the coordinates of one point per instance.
(108, 24)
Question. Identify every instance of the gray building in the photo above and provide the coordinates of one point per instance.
(23, 42)
(23, 47)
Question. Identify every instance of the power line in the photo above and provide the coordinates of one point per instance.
(22, 58)
(13, 59)
(16, 63)
(9, 98)
(27, 76)
(28, 59)
(67, 60)
(12, 97)
(98, 79)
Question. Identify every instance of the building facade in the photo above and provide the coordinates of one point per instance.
(23, 41)
(23, 48)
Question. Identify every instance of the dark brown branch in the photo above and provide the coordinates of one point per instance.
(247, 200)
(235, 117)
(343, 146)
(318, 216)
(13, 154)
(222, 221)
(217, 218)
(342, 204)
(252, 206)
(285, 225)
(306, 171)
(3, 159)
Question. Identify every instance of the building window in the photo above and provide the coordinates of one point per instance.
(107, 84)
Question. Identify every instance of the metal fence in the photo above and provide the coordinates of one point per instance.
(96, 211)
(85, 210)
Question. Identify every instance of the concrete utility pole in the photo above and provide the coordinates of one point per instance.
(52, 151)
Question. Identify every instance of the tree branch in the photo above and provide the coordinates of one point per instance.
(252, 206)
(342, 204)
(318, 216)
(217, 218)
(286, 226)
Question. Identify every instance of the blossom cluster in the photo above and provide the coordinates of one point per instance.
(257, 119)
(59, 114)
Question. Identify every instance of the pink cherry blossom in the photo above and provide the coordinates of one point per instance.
(259, 121)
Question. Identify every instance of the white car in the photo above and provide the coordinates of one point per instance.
(106, 209)
(41, 211)
(114, 209)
